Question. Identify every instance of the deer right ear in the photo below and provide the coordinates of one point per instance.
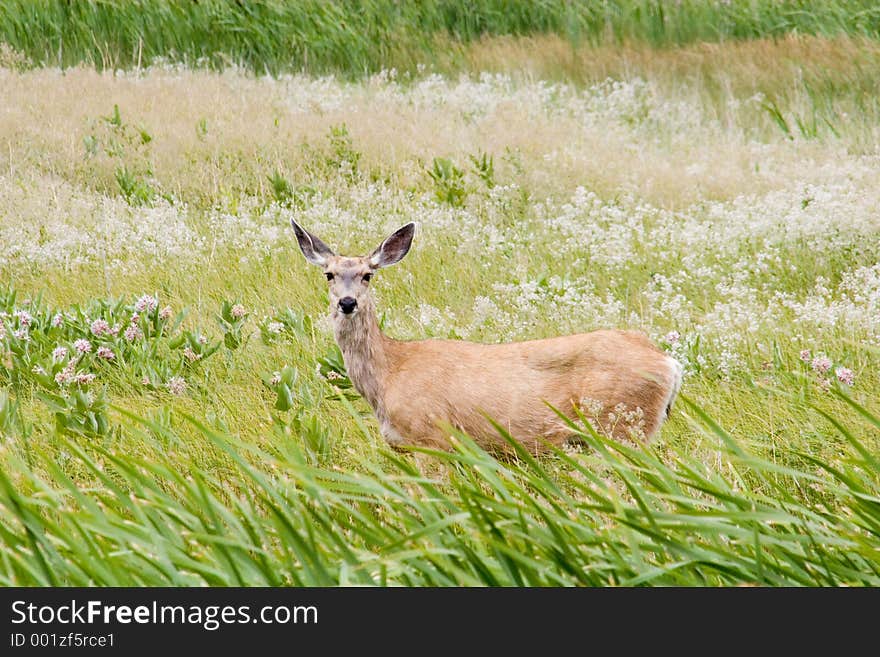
(395, 246)
(313, 249)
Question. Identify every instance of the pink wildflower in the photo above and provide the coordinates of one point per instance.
(821, 364)
(22, 334)
(238, 311)
(59, 353)
(106, 353)
(146, 302)
(66, 374)
(24, 317)
(806, 355)
(58, 320)
(845, 375)
(83, 346)
(176, 385)
(133, 333)
(100, 327)
(672, 338)
(84, 378)
(276, 379)
(190, 355)
(165, 313)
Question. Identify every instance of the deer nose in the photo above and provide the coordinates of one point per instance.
(347, 305)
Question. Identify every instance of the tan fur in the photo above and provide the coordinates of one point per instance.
(417, 389)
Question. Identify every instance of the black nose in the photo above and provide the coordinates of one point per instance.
(347, 305)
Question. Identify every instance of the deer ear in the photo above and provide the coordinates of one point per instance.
(313, 249)
(395, 246)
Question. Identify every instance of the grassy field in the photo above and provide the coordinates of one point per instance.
(174, 409)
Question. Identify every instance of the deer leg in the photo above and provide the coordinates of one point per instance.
(390, 434)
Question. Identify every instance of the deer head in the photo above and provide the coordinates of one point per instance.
(349, 277)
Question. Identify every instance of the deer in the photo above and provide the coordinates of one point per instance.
(419, 390)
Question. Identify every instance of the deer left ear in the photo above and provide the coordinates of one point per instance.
(395, 246)
(313, 249)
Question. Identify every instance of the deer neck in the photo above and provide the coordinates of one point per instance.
(363, 347)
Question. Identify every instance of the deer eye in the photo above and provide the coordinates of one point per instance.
(329, 276)
(366, 278)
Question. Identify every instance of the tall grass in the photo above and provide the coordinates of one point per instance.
(610, 515)
(357, 37)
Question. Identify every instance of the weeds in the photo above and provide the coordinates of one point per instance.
(449, 183)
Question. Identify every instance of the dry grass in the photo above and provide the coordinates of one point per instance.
(759, 64)
(216, 137)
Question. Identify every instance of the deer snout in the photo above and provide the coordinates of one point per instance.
(347, 305)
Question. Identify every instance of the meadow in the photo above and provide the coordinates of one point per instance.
(173, 407)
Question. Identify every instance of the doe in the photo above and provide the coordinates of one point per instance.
(418, 389)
